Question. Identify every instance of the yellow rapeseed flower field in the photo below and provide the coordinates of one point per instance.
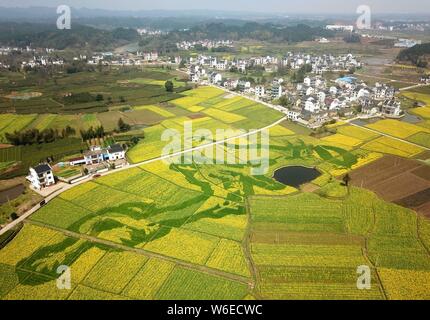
(228, 256)
(397, 128)
(406, 284)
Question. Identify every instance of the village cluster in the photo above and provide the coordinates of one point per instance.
(206, 67)
(317, 101)
(313, 102)
(206, 44)
(39, 57)
(45, 57)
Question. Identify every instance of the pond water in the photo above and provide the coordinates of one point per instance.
(295, 176)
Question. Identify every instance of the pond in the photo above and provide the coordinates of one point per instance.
(295, 176)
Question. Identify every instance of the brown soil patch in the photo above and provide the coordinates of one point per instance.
(424, 209)
(10, 183)
(402, 181)
(309, 187)
(4, 146)
(416, 200)
(422, 172)
(23, 95)
(11, 194)
(401, 186)
(196, 116)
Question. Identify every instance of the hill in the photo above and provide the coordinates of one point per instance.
(418, 55)
(48, 36)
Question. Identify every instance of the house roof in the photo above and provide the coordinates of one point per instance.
(116, 148)
(93, 153)
(42, 168)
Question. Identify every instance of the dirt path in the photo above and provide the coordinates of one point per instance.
(246, 244)
(149, 254)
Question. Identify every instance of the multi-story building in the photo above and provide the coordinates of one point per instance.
(41, 176)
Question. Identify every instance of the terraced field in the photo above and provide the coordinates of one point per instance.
(203, 231)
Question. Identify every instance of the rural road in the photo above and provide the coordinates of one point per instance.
(415, 86)
(68, 186)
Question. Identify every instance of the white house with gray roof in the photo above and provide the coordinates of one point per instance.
(41, 176)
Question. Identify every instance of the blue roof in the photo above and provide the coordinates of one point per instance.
(348, 79)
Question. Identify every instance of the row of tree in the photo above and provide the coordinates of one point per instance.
(35, 136)
(91, 133)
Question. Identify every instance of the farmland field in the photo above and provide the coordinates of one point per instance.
(394, 147)
(396, 128)
(204, 231)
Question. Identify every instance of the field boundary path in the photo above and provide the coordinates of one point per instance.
(415, 86)
(26, 215)
(147, 253)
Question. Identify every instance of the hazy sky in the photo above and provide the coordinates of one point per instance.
(284, 6)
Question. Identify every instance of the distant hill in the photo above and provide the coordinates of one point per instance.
(418, 55)
(253, 30)
(48, 36)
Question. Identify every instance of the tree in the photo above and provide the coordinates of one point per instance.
(122, 126)
(284, 101)
(134, 140)
(346, 179)
(169, 86)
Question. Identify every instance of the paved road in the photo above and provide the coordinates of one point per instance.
(67, 187)
(415, 86)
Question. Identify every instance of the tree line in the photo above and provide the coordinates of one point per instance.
(45, 35)
(35, 136)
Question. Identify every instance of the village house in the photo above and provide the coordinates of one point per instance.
(277, 88)
(244, 86)
(97, 155)
(260, 91)
(391, 108)
(215, 78)
(425, 79)
(41, 176)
